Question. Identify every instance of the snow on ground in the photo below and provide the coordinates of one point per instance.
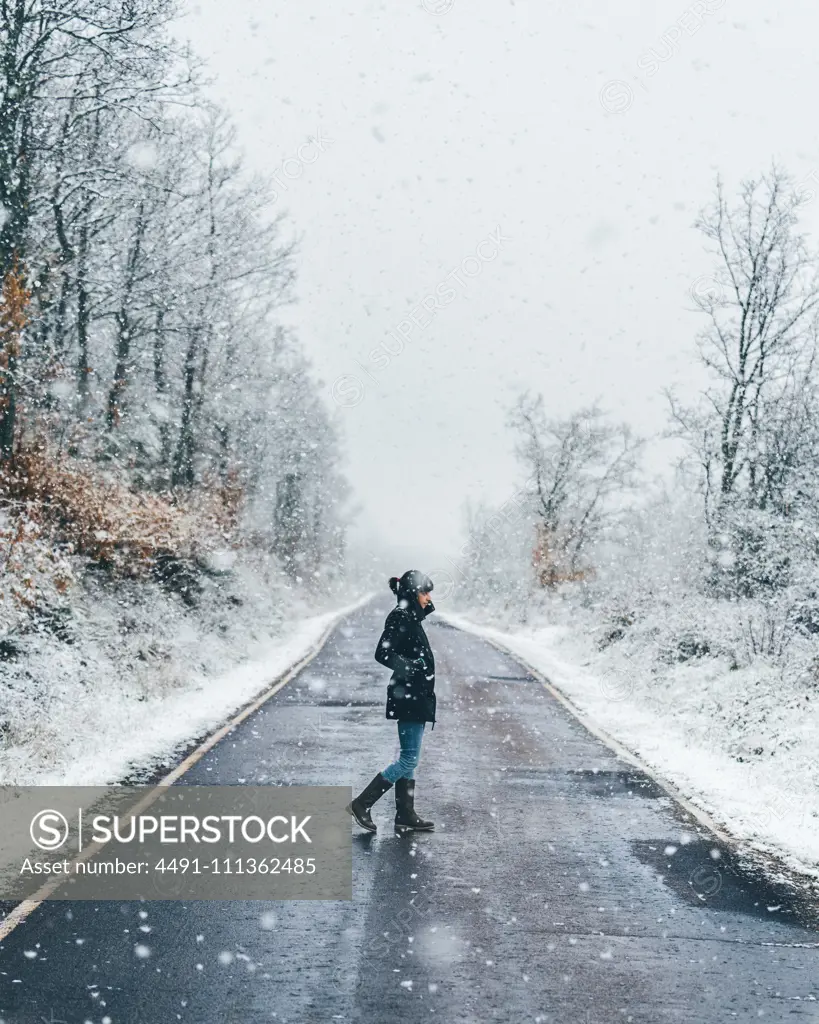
(740, 744)
(116, 703)
(160, 726)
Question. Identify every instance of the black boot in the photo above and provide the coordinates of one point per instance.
(406, 820)
(360, 807)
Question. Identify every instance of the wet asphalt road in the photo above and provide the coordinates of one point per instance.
(560, 886)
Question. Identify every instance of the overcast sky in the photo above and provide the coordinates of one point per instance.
(584, 135)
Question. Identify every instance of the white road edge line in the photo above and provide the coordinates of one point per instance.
(590, 725)
(23, 909)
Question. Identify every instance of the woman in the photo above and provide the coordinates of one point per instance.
(404, 648)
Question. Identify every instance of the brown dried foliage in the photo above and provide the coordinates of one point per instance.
(121, 529)
(550, 562)
(13, 320)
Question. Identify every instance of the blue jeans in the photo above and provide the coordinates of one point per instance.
(410, 735)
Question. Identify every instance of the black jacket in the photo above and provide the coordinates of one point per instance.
(411, 690)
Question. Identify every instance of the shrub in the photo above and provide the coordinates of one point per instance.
(34, 575)
(129, 533)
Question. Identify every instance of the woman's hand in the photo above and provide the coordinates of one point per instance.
(421, 662)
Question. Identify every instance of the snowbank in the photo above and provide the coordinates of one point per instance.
(741, 744)
(136, 677)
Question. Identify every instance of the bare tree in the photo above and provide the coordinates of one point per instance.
(759, 344)
(580, 468)
(62, 63)
(153, 267)
(45, 47)
(753, 432)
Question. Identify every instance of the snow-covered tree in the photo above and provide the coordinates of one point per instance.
(149, 355)
(754, 434)
(580, 468)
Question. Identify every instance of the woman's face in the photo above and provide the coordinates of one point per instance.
(423, 599)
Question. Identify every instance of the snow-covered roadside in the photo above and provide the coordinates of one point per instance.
(159, 726)
(688, 727)
(120, 726)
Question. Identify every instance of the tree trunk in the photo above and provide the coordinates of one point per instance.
(83, 317)
(182, 475)
(124, 325)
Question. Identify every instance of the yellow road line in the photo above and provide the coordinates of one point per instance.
(22, 910)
